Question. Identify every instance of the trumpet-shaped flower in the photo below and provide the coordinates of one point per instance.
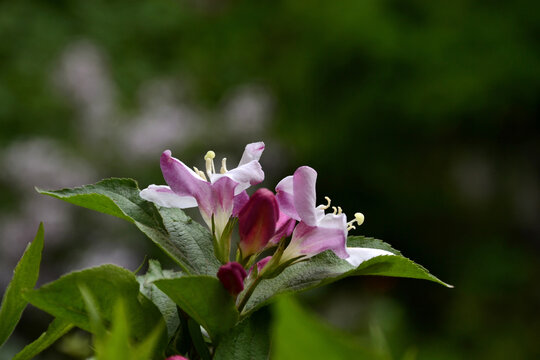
(218, 196)
(316, 231)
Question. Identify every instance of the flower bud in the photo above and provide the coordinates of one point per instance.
(257, 222)
(232, 277)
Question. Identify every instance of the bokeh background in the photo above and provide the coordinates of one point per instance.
(422, 115)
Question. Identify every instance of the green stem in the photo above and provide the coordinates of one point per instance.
(248, 293)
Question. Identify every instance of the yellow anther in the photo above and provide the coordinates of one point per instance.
(324, 207)
(209, 158)
(339, 211)
(359, 217)
(335, 210)
(210, 155)
(223, 166)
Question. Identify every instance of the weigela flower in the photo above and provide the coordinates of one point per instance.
(316, 231)
(218, 195)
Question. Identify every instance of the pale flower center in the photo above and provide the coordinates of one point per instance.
(358, 217)
(210, 167)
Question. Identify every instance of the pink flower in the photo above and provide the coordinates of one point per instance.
(232, 277)
(176, 357)
(218, 196)
(316, 231)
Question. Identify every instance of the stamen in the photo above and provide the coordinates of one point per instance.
(200, 173)
(335, 210)
(339, 211)
(223, 166)
(209, 158)
(324, 207)
(359, 217)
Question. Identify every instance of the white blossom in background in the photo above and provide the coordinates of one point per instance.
(44, 163)
(82, 76)
(163, 121)
(247, 110)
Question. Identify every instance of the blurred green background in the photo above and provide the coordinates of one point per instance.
(422, 115)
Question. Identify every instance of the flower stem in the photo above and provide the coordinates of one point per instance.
(248, 293)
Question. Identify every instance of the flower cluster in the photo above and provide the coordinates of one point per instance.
(288, 224)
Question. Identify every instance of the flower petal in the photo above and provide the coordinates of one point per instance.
(180, 178)
(257, 221)
(222, 203)
(312, 240)
(284, 227)
(239, 201)
(252, 152)
(359, 255)
(184, 182)
(304, 195)
(285, 198)
(163, 196)
(245, 175)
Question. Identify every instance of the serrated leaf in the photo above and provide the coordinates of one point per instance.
(185, 241)
(107, 283)
(248, 340)
(25, 277)
(166, 306)
(205, 300)
(326, 267)
(57, 329)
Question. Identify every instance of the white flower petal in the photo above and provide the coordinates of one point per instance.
(359, 255)
(163, 196)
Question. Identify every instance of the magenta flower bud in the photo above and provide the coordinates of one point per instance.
(257, 221)
(232, 277)
(176, 357)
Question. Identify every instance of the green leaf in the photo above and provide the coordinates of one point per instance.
(107, 284)
(166, 306)
(205, 300)
(298, 334)
(24, 277)
(185, 241)
(372, 243)
(57, 329)
(326, 267)
(248, 340)
(116, 343)
(198, 341)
